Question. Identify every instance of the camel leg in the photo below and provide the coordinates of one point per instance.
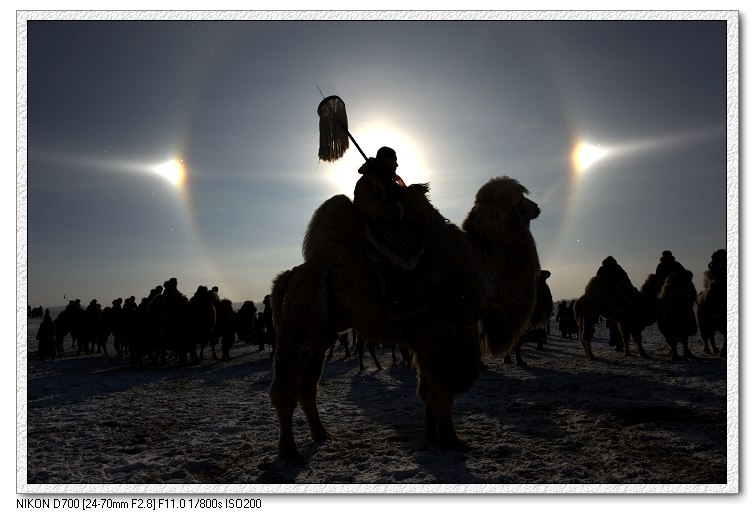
(507, 358)
(295, 373)
(193, 354)
(674, 353)
(406, 355)
(637, 336)
(226, 348)
(286, 445)
(331, 350)
(588, 348)
(443, 409)
(706, 345)
(308, 396)
(371, 349)
(705, 338)
(283, 395)
(518, 355)
(615, 336)
(713, 346)
(584, 338)
(359, 349)
(430, 420)
(439, 426)
(625, 335)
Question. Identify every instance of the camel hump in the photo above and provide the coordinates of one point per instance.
(419, 212)
(595, 285)
(333, 223)
(336, 224)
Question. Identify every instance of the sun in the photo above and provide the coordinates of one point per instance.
(585, 155)
(173, 171)
(344, 174)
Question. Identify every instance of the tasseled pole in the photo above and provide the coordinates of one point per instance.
(334, 129)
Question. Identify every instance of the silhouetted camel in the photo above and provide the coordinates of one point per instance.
(676, 312)
(601, 299)
(711, 314)
(202, 318)
(480, 284)
(245, 319)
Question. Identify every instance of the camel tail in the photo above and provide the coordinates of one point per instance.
(278, 294)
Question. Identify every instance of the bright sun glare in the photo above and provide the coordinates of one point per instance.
(585, 155)
(173, 171)
(411, 167)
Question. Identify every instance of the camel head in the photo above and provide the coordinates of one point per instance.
(508, 196)
(501, 203)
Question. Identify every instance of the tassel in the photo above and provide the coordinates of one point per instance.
(334, 129)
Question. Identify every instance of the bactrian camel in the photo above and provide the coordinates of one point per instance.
(601, 299)
(711, 314)
(479, 284)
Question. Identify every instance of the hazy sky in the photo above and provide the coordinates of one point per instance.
(460, 101)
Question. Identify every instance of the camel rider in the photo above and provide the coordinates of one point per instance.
(717, 285)
(377, 202)
(376, 194)
(717, 266)
(667, 265)
(617, 279)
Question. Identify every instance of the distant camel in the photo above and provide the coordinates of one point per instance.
(676, 314)
(245, 319)
(201, 318)
(225, 329)
(343, 340)
(175, 324)
(602, 300)
(361, 345)
(167, 328)
(67, 321)
(479, 284)
(711, 314)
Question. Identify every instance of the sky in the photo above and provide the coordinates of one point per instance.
(110, 102)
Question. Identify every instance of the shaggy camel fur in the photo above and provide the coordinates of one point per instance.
(541, 318)
(711, 314)
(479, 284)
(601, 300)
(676, 314)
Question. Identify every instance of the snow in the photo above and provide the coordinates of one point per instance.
(95, 424)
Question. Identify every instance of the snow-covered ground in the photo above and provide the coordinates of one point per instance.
(95, 424)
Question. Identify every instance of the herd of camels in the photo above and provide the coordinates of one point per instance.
(479, 282)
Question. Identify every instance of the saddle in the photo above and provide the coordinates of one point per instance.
(395, 256)
(395, 244)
